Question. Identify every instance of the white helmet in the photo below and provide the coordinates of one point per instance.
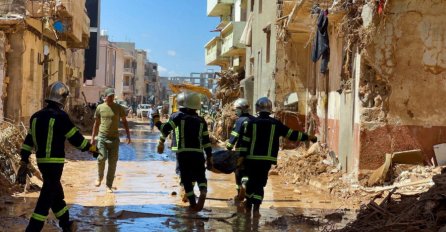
(57, 92)
(192, 101)
(180, 100)
(241, 106)
(264, 105)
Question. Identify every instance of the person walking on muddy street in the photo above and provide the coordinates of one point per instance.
(241, 107)
(191, 138)
(262, 150)
(50, 127)
(105, 126)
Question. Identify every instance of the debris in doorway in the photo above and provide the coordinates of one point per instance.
(228, 85)
(11, 139)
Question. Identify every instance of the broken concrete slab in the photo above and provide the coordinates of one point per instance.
(408, 157)
(380, 174)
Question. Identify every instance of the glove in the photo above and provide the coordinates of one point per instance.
(22, 173)
(209, 163)
(312, 138)
(94, 151)
(160, 147)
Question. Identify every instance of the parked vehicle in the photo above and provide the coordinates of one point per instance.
(124, 104)
(142, 110)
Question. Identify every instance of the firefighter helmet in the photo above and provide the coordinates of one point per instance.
(264, 105)
(241, 105)
(180, 100)
(192, 101)
(57, 92)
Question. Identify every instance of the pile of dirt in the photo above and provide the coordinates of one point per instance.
(399, 212)
(223, 123)
(228, 86)
(301, 165)
(11, 140)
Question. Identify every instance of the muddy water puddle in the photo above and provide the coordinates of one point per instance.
(147, 198)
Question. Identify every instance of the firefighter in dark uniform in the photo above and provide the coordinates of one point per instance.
(191, 137)
(262, 150)
(241, 107)
(49, 128)
(181, 110)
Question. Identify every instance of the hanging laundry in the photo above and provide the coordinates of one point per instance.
(321, 47)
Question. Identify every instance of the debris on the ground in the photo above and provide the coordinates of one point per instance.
(400, 212)
(82, 116)
(11, 139)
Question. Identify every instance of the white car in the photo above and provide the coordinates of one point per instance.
(142, 110)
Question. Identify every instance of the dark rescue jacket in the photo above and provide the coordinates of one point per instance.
(190, 133)
(263, 133)
(238, 133)
(49, 128)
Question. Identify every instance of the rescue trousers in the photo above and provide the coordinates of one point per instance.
(257, 173)
(51, 197)
(109, 149)
(239, 174)
(192, 168)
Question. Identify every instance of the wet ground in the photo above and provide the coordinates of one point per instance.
(147, 198)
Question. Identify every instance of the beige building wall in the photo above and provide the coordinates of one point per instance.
(140, 82)
(261, 55)
(119, 72)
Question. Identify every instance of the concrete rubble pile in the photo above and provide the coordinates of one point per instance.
(400, 212)
(228, 89)
(82, 117)
(11, 139)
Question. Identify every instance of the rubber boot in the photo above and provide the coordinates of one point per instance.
(256, 211)
(70, 227)
(192, 203)
(201, 200)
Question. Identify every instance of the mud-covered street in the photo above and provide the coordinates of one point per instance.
(147, 198)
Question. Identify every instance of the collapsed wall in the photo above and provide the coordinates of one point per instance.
(403, 81)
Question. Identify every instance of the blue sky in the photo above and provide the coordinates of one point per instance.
(174, 32)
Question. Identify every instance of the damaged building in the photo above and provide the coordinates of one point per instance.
(367, 77)
(41, 42)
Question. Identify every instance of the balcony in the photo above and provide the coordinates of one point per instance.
(231, 39)
(213, 53)
(219, 7)
(76, 23)
(129, 71)
(126, 89)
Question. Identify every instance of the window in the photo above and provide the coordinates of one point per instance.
(252, 5)
(268, 46)
(260, 6)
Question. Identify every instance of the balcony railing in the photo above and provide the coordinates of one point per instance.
(231, 39)
(126, 89)
(219, 7)
(129, 70)
(213, 52)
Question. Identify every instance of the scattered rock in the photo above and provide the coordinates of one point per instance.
(173, 193)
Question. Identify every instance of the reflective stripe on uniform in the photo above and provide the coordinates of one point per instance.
(61, 212)
(83, 145)
(51, 160)
(177, 138)
(207, 145)
(299, 138)
(189, 194)
(202, 185)
(233, 133)
(254, 134)
(271, 139)
(261, 157)
(33, 130)
(247, 139)
(241, 149)
(289, 133)
(258, 197)
(187, 149)
(229, 145)
(39, 217)
(172, 124)
(206, 133)
(71, 133)
(49, 138)
(26, 147)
